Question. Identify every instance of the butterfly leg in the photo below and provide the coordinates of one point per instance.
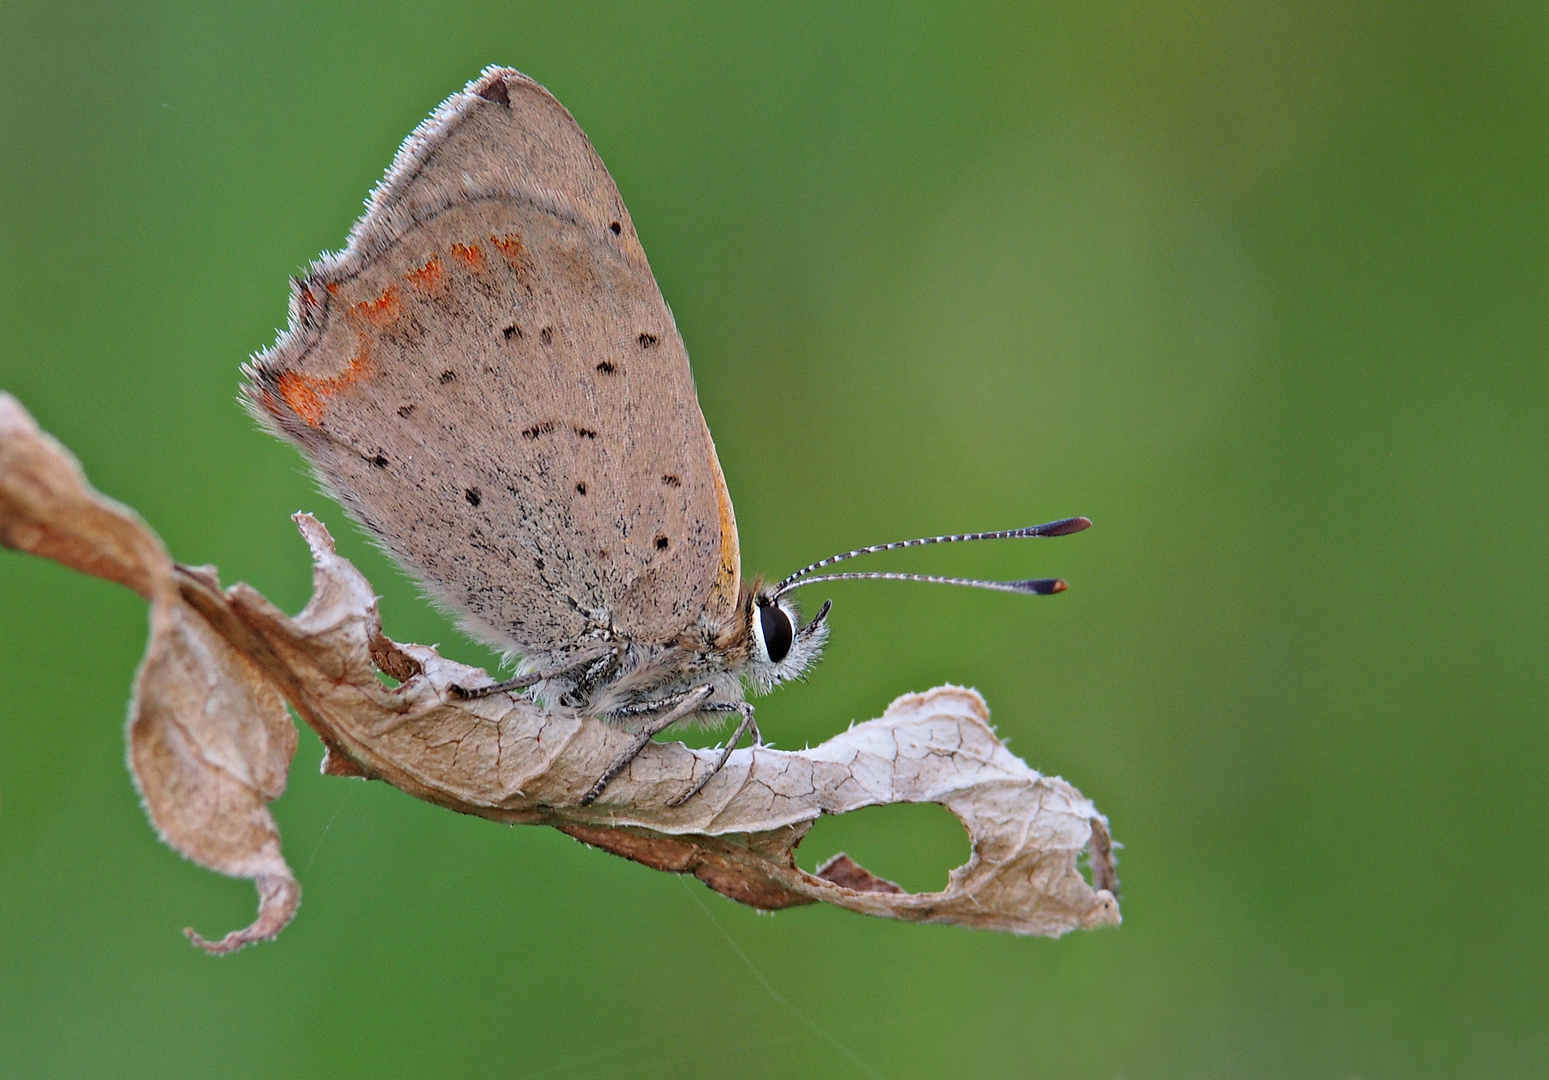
(686, 704)
(533, 678)
(731, 744)
(521, 682)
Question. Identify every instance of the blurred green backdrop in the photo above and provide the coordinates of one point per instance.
(1259, 288)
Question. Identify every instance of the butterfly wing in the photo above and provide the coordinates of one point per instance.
(488, 378)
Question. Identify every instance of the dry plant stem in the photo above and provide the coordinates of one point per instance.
(210, 743)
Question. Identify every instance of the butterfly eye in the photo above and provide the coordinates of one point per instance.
(776, 631)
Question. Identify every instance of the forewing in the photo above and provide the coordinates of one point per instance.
(489, 379)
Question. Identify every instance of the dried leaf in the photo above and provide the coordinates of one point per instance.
(210, 742)
(216, 747)
(210, 745)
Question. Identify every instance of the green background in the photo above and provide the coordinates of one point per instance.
(1259, 288)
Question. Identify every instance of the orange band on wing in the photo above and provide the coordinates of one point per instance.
(381, 311)
(307, 395)
(470, 254)
(509, 245)
(426, 277)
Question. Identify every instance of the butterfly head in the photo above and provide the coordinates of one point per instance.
(781, 647)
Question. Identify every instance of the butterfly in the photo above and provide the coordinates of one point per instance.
(489, 380)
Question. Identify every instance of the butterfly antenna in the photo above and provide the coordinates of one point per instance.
(1038, 587)
(1031, 587)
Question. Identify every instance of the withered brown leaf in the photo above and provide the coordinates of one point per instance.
(210, 743)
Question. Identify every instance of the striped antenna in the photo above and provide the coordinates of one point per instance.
(1032, 587)
(1038, 587)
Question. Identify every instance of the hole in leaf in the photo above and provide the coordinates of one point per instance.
(914, 845)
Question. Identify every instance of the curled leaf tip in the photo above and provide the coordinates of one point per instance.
(278, 898)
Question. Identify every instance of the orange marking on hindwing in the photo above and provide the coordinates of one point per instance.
(515, 252)
(470, 254)
(381, 311)
(307, 395)
(426, 277)
(509, 245)
(333, 288)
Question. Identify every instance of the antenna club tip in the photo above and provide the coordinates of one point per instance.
(1068, 526)
(1040, 586)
